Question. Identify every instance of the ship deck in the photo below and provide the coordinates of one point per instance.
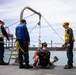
(57, 70)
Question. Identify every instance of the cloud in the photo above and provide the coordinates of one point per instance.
(54, 11)
(5, 2)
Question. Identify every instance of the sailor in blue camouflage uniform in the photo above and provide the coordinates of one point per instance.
(22, 36)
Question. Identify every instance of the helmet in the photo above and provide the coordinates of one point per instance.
(65, 23)
(1, 20)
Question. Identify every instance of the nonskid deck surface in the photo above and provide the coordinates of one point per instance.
(56, 70)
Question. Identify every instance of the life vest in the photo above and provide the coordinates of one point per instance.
(66, 36)
(20, 33)
(1, 34)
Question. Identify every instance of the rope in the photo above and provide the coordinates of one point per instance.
(39, 41)
(19, 47)
(33, 28)
(18, 21)
(52, 28)
(39, 31)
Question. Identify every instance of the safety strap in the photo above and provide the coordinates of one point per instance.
(19, 47)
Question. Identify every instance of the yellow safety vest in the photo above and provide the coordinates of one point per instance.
(66, 36)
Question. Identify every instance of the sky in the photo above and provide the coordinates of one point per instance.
(54, 11)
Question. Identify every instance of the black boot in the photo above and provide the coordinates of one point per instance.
(56, 59)
(67, 67)
(21, 66)
(71, 65)
(3, 63)
(28, 66)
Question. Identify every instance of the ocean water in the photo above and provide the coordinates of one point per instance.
(60, 54)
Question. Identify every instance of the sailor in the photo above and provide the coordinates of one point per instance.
(42, 57)
(69, 42)
(22, 36)
(2, 34)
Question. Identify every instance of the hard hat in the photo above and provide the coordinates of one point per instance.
(65, 23)
(1, 20)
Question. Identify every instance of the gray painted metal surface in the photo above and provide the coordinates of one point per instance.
(57, 70)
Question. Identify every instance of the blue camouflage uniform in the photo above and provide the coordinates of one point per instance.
(22, 36)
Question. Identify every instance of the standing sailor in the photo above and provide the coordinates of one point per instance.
(2, 34)
(22, 36)
(69, 39)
